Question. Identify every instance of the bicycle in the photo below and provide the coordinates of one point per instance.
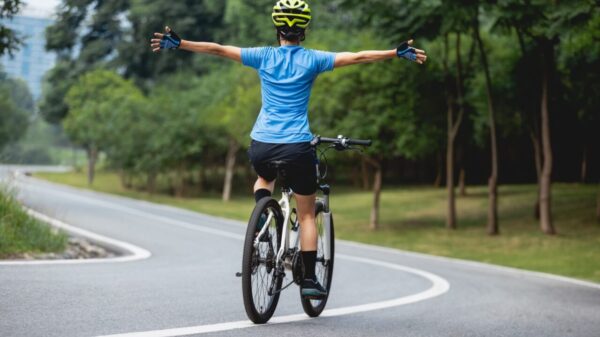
(275, 248)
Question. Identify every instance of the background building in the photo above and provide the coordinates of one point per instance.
(32, 61)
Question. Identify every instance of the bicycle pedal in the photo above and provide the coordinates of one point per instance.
(238, 274)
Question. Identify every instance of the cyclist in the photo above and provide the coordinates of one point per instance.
(282, 131)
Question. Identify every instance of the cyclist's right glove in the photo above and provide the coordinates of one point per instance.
(170, 41)
(407, 52)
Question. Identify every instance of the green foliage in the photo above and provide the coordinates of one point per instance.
(10, 41)
(19, 233)
(191, 19)
(57, 82)
(380, 102)
(195, 104)
(100, 22)
(236, 110)
(247, 24)
(96, 103)
(13, 117)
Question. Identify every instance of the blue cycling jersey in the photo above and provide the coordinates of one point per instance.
(287, 75)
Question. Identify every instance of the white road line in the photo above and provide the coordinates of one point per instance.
(475, 264)
(135, 253)
(439, 287)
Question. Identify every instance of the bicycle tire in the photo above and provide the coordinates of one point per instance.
(258, 304)
(314, 308)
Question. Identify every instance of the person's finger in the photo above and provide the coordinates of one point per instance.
(420, 51)
(410, 42)
(155, 45)
(156, 50)
(159, 35)
(419, 61)
(155, 40)
(167, 29)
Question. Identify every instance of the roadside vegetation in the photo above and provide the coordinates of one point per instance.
(21, 234)
(413, 218)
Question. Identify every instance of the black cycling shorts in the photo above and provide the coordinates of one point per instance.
(300, 158)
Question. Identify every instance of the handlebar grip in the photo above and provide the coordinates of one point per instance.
(360, 142)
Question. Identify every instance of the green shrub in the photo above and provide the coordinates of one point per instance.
(20, 233)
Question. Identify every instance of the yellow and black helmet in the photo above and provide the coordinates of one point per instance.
(291, 17)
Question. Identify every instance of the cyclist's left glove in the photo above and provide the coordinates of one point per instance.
(170, 41)
(405, 51)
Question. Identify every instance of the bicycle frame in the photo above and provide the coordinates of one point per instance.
(291, 238)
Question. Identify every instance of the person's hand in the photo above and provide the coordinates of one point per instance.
(169, 40)
(406, 51)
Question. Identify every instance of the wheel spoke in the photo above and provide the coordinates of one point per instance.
(262, 280)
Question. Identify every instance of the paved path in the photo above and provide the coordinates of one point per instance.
(187, 285)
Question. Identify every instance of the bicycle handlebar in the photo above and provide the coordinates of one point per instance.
(341, 143)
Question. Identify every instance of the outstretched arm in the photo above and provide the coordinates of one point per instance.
(370, 56)
(170, 40)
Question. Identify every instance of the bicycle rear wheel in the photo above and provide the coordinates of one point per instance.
(323, 269)
(260, 283)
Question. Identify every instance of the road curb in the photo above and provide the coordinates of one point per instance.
(130, 252)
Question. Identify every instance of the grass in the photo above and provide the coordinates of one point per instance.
(412, 218)
(19, 233)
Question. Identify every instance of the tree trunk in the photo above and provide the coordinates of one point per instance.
(598, 206)
(92, 154)
(492, 223)
(462, 185)
(546, 177)
(453, 127)
(180, 181)
(122, 179)
(451, 218)
(440, 170)
(537, 152)
(377, 181)
(366, 185)
(584, 165)
(229, 168)
(201, 174)
(151, 183)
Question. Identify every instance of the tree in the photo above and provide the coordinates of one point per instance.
(235, 114)
(380, 102)
(492, 221)
(579, 53)
(15, 108)
(199, 20)
(9, 39)
(19, 92)
(101, 24)
(543, 26)
(95, 103)
(13, 121)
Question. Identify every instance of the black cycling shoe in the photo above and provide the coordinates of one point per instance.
(311, 288)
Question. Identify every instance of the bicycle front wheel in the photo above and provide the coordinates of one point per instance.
(261, 283)
(323, 268)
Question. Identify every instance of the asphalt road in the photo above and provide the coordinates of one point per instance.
(188, 284)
